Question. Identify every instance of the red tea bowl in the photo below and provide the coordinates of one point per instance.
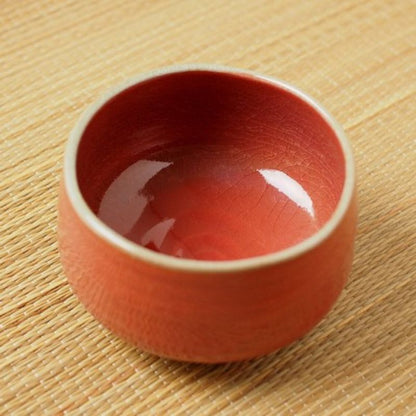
(207, 214)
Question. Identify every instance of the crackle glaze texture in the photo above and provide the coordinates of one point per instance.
(198, 316)
(209, 166)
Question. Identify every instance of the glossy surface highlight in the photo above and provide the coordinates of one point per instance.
(220, 167)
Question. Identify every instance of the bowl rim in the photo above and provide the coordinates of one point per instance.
(161, 260)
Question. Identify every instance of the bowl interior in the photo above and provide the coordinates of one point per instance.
(210, 165)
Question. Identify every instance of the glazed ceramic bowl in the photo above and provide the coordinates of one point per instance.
(207, 214)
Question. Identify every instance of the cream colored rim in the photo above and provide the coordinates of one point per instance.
(170, 262)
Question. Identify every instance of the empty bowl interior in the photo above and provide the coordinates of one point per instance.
(210, 165)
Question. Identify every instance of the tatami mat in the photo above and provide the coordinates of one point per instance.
(358, 58)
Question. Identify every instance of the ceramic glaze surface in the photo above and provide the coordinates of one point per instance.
(219, 167)
(199, 316)
(207, 165)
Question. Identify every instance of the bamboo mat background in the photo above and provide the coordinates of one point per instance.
(356, 57)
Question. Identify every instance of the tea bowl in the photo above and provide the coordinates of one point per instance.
(207, 214)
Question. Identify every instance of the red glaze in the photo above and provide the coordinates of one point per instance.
(212, 166)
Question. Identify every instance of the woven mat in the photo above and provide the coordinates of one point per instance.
(356, 57)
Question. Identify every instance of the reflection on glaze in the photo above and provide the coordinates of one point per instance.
(157, 234)
(123, 202)
(288, 186)
(207, 205)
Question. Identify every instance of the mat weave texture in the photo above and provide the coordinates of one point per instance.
(358, 58)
